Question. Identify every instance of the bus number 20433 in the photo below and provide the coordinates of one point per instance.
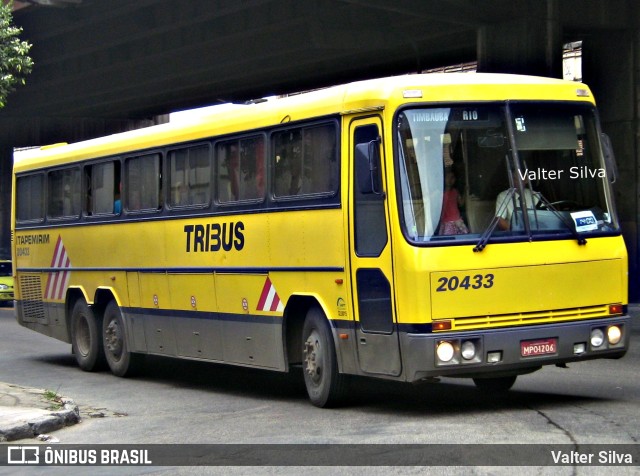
(477, 281)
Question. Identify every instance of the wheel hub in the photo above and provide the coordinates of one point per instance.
(313, 357)
(113, 338)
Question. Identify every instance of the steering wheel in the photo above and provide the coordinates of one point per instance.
(566, 205)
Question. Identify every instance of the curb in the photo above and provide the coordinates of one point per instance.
(40, 422)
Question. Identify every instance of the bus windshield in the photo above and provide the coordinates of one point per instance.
(522, 169)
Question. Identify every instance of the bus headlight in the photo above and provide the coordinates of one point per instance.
(468, 350)
(597, 337)
(614, 335)
(445, 351)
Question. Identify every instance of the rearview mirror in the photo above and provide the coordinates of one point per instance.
(367, 156)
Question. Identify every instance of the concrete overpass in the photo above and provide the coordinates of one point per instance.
(106, 66)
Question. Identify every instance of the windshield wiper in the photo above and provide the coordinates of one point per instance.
(568, 223)
(486, 234)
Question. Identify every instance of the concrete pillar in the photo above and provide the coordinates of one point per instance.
(610, 66)
(634, 137)
(5, 201)
(523, 46)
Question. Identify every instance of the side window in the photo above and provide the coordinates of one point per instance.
(30, 198)
(369, 210)
(103, 184)
(64, 193)
(143, 183)
(241, 171)
(190, 176)
(305, 161)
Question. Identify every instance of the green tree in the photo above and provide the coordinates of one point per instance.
(15, 63)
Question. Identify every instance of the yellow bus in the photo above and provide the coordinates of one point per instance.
(402, 228)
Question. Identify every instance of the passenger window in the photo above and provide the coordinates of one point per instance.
(103, 188)
(30, 198)
(64, 193)
(190, 176)
(305, 161)
(241, 174)
(143, 183)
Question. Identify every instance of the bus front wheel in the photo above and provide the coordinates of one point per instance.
(86, 342)
(325, 385)
(122, 362)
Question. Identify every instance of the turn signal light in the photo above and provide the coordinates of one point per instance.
(615, 309)
(441, 325)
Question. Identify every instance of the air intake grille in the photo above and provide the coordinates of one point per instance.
(31, 297)
(539, 317)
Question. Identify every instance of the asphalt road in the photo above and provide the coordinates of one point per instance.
(193, 402)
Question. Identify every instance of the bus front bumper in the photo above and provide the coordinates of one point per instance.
(512, 351)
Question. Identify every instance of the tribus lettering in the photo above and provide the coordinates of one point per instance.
(214, 236)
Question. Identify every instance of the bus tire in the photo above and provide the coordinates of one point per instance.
(326, 387)
(122, 362)
(495, 384)
(86, 340)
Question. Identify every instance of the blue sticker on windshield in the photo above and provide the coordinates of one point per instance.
(585, 221)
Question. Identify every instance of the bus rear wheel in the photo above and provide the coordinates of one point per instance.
(86, 342)
(122, 362)
(326, 387)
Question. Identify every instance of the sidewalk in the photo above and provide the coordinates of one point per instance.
(31, 412)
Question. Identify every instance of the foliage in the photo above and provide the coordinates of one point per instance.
(54, 399)
(15, 63)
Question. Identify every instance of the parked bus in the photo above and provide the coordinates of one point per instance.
(401, 228)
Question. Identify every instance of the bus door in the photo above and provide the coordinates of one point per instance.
(371, 263)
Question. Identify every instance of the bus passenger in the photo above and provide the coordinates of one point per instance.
(117, 201)
(451, 222)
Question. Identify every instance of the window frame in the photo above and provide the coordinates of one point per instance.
(216, 143)
(334, 174)
(117, 163)
(43, 197)
(208, 144)
(127, 189)
(78, 192)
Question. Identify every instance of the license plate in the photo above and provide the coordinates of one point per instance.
(531, 348)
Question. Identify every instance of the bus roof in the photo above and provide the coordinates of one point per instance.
(358, 96)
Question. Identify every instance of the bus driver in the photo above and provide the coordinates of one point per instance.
(510, 197)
